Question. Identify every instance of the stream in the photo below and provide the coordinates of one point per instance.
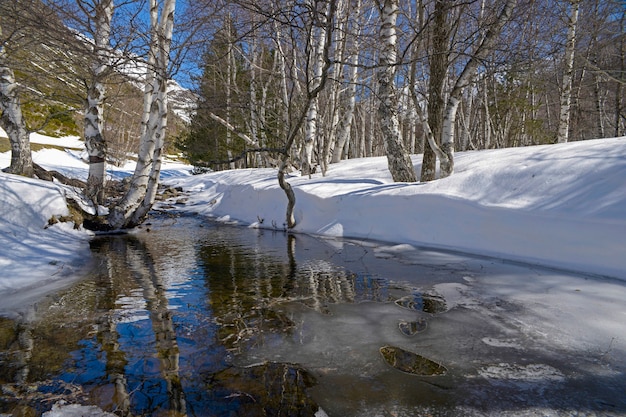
(189, 317)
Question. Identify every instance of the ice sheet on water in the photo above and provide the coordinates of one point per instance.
(522, 375)
(347, 339)
(505, 343)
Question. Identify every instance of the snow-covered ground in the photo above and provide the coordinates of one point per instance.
(561, 206)
(35, 257)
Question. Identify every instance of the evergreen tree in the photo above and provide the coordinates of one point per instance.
(222, 92)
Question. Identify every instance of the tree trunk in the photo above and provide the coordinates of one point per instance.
(95, 142)
(282, 66)
(335, 100)
(568, 71)
(136, 203)
(599, 107)
(348, 99)
(347, 106)
(318, 46)
(311, 94)
(310, 136)
(230, 82)
(620, 85)
(438, 71)
(255, 109)
(465, 79)
(398, 160)
(12, 120)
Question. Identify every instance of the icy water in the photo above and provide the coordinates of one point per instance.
(192, 318)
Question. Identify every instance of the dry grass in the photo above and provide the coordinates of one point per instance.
(5, 146)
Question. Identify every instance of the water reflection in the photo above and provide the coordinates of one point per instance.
(193, 319)
(246, 289)
(153, 331)
(130, 260)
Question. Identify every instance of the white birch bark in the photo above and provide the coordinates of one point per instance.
(12, 120)
(136, 203)
(254, 105)
(465, 124)
(398, 159)
(311, 94)
(618, 117)
(95, 142)
(348, 105)
(568, 72)
(599, 101)
(335, 97)
(318, 45)
(348, 102)
(230, 81)
(282, 70)
(267, 92)
(234, 130)
(487, 131)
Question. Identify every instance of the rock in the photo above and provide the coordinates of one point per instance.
(411, 328)
(411, 363)
(422, 302)
(268, 389)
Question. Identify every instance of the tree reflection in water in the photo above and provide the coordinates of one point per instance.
(157, 328)
(131, 258)
(246, 301)
(186, 320)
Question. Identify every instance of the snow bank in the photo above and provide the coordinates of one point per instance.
(35, 256)
(557, 205)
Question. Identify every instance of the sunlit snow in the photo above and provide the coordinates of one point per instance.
(556, 205)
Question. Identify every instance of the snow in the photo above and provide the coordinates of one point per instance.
(561, 206)
(33, 255)
(68, 142)
(37, 258)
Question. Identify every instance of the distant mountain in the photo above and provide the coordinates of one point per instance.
(182, 101)
(53, 77)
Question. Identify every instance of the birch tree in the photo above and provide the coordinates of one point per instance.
(484, 48)
(620, 118)
(334, 99)
(95, 143)
(398, 159)
(317, 45)
(568, 72)
(485, 45)
(11, 118)
(347, 101)
(136, 203)
(312, 92)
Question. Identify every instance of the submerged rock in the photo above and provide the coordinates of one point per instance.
(411, 328)
(268, 389)
(432, 304)
(410, 362)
